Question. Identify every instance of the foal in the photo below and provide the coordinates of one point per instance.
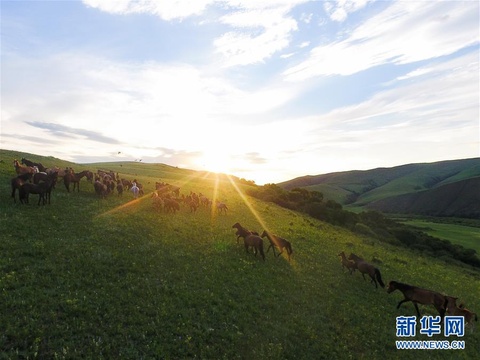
(453, 309)
(348, 264)
(242, 232)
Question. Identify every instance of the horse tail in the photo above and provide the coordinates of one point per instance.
(379, 277)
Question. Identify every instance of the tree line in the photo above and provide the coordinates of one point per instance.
(368, 223)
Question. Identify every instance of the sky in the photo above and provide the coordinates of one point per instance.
(264, 90)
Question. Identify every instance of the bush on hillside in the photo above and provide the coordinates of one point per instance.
(370, 223)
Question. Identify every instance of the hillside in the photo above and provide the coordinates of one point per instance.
(115, 278)
(361, 188)
(457, 199)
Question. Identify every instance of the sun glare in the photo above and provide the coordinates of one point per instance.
(216, 162)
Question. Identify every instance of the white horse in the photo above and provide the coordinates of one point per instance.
(135, 190)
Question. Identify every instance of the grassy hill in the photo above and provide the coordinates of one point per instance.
(113, 278)
(457, 199)
(360, 188)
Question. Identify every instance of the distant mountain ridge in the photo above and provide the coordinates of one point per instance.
(445, 188)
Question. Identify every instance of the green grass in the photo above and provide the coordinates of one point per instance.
(467, 236)
(91, 278)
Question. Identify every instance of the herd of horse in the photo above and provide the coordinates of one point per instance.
(444, 304)
(34, 178)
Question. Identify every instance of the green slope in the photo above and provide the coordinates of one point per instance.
(92, 278)
(359, 188)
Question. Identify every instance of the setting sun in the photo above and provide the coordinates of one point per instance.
(216, 161)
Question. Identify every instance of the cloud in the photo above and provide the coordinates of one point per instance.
(258, 28)
(340, 9)
(432, 116)
(403, 33)
(260, 32)
(166, 10)
(59, 130)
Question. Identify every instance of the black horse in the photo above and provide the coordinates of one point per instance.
(39, 166)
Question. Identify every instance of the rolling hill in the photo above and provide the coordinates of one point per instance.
(436, 189)
(86, 277)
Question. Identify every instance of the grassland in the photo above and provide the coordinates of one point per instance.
(467, 236)
(109, 279)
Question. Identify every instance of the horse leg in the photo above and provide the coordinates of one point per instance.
(416, 308)
(401, 302)
(373, 280)
(269, 249)
(14, 189)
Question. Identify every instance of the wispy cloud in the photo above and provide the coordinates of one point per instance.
(64, 131)
(167, 10)
(340, 9)
(260, 32)
(405, 32)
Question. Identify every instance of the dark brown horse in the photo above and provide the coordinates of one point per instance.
(419, 296)
(17, 183)
(367, 268)
(278, 242)
(71, 177)
(347, 264)
(100, 189)
(171, 205)
(43, 189)
(256, 242)
(39, 166)
(242, 232)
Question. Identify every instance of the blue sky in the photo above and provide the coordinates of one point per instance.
(265, 90)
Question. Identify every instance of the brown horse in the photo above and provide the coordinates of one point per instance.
(242, 232)
(20, 169)
(280, 243)
(171, 205)
(454, 310)
(419, 296)
(100, 189)
(222, 207)
(257, 243)
(348, 264)
(71, 177)
(17, 183)
(367, 268)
